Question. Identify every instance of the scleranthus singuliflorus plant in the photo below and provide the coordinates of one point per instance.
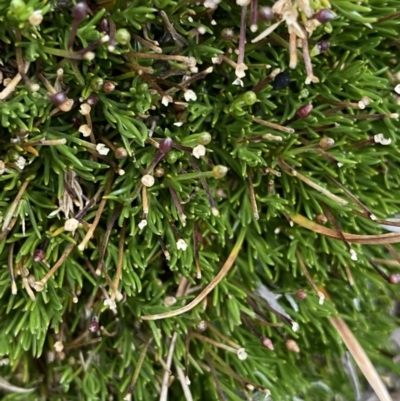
(198, 199)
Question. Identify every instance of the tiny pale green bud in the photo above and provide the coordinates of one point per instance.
(219, 171)
(122, 36)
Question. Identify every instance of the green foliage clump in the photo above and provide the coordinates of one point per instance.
(153, 154)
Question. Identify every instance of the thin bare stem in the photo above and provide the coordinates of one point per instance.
(376, 239)
(273, 125)
(178, 205)
(138, 367)
(215, 378)
(312, 184)
(213, 342)
(39, 285)
(254, 16)
(309, 279)
(196, 252)
(361, 358)
(120, 261)
(242, 35)
(102, 204)
(222, 337)
(14, 206)
(252, 194)
(184, 383)
(293, 50)
(11, 268)
(205, 186)
(222, 273)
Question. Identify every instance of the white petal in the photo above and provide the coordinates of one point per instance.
(199, 151)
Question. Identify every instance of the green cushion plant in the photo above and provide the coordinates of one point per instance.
(198, 199)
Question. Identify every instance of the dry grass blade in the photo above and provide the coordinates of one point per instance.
(222, 273)
(378, 239)
(361, 359)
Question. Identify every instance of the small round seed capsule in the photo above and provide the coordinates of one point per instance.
(321, 218)
(202, 325)
(122, 36)
(282, 80)
(323, 16)
(79, 11)
(76, 122)
(96, 83)
(204, 138)
(394, 278)
(301, 294)
(227, 34)
(323, 45)
(172, 156)
(104, 26)
(94, 325)
(267, 343)
(148, 180)
(92, 100)
(58, 98)
(265, 14)
(305, 111)
(121, 153)
(165, 145)
(249, 98)
(158, 172)
(219, 171)
(39, 255)
(326, 142)
(108, 87)
(292, 346)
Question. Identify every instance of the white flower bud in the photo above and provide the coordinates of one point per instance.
(181, 244)
(142, 224)
(58, 346)
(190, 95)
(85, 109)
(148, 180)
(102, 149)
(379, 138)
(71, 225)
(242, 354)
(85, 130)
(199, 151)
(36, 18)
(169, 301)
(21, 162)
(397, 89)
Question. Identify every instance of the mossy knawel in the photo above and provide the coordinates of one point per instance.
(196, 198)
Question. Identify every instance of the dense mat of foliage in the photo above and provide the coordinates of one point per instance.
(270, 150)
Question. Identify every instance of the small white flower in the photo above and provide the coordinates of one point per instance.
(240, 70)
(213, 22)
(217, 59)
(142, 224)
(397, 89)
(58, 346)
(148, 180)
(199, 151)
(379, 138)
(110, 303)
(178, 124)
(201, 30)
(169, 301)
(242, 354)
(36, 18)
(211, 3)
(353, 254)
(102, 149)
(181, 244)
(21, 162)
(71, 225)
(243, 3)
(295, 326)
(166, 99)
(85, 109)
(238, 82)
(190, 95)
(85, 130)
